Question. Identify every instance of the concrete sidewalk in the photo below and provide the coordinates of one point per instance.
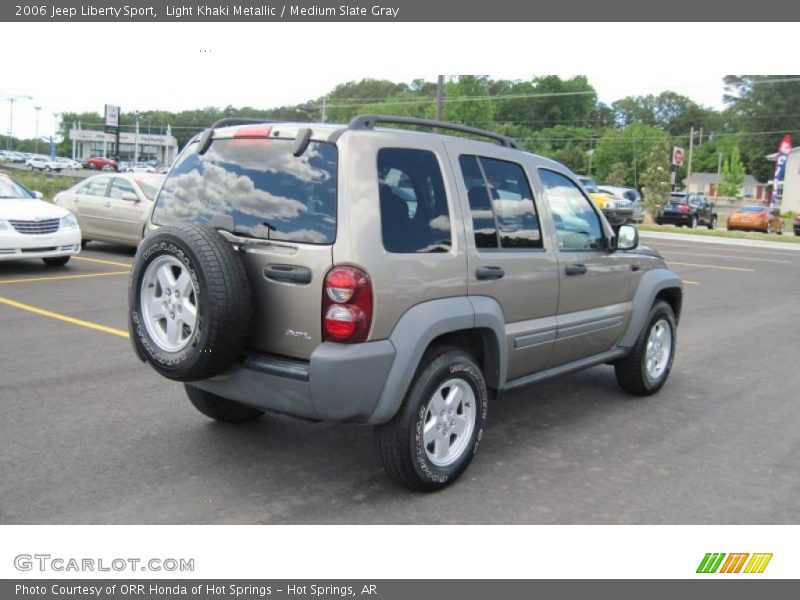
(709, 239)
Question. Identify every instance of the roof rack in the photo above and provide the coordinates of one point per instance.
(370, 121)
(231, 121)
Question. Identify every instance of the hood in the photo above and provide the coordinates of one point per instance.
(648, 251)
(28, 210)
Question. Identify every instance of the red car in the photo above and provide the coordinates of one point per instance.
(101, 164)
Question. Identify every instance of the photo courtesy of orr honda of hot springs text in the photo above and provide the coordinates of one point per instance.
(398, 278)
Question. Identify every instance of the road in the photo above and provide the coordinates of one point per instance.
(91, 435)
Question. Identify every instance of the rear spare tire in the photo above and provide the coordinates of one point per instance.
(189, 303)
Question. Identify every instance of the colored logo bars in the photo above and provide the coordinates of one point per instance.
(734, 562)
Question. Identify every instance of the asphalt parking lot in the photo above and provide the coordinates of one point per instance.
(91, 435)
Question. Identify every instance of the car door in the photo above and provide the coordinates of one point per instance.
(91, 206)
(595, 292)
(507, 258)
(124, 217)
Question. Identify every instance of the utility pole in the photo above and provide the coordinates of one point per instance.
(36, 145)
(11, 100)
(691, 150)
(324, 108)
(439, 97)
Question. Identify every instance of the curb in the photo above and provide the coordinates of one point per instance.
(658, 235)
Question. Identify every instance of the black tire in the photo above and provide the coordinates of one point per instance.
(222, 302)
(83, 243)
(219, 408)
(692, 223)
(56, 261)
(631, 371)
(400, 441)
(713, 223)
(47, 169)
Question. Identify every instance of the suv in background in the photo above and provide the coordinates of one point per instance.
(618, 210)
(43, 163)
(629, 194)
(688, 210)
(391, 277)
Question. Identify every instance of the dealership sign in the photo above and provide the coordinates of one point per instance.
(677, 156)
(780, 169)
(112, 118)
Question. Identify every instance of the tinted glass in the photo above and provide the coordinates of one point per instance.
(414, 212)
(480, 205)
(512, 201)
(120, 186)
(269, 193)
(752, 209)
(11, 189)
(577, 225)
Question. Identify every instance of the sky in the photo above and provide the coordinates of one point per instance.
(176, 66)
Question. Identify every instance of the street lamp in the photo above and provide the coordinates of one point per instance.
(11, 100)
(37, 109)
(55, 131)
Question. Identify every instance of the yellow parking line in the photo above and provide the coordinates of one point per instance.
(103, 262)
(60, 277)
(751, 258)
(689, 282)
(672, 262)
(60, 317)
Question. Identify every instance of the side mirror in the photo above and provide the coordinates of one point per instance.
(627, 238)
(38, 195)
(129, 197)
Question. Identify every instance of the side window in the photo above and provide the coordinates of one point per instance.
(119, 186)
(97, 187)
(577, 225)
(501, 203)
(479, 203)
(414, 212)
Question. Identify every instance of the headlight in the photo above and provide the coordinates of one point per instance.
(69, 222)
(4, 226)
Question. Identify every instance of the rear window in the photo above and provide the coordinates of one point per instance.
(267, 191)
(752, 209)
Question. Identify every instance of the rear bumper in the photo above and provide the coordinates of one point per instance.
(341, 382)
(674, 219)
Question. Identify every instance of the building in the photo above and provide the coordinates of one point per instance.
(142, 146)
(708, 184)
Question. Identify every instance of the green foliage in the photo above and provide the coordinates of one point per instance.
(672, 112)
(617, 175)
(49, 185)
(733, 175)
(655, 178)
(476, 109)
(630, 146)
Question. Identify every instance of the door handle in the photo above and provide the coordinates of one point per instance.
(635, 267)
(489, 272)
(575, 269)
(288, 274)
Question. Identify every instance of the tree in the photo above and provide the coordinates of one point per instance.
(617, 175)
(467, 102)
(629, 146)
(655, 178)
(764, 109)
(733, 174)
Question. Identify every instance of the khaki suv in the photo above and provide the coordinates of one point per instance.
(395, 277)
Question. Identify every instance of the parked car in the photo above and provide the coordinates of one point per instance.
(796, 224)
(629, 194)
(386, 276)
(70, 163)
(5, 156)
(32, 228)
(690, 210)
(617, 210)
(138, 168)
(44, 163)
(100, 163)
(756, 217)
(111, 208)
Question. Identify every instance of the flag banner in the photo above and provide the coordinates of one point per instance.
(780, 169)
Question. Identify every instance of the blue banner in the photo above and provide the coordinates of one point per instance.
(780, 169)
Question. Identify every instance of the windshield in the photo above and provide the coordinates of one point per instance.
(267, 191)
(589, 184)
(11, 189)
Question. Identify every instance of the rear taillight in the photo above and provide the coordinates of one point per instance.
(346, 305)
(683, 208)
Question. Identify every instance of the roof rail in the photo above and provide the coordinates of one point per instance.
(231, 121)
(370, 121)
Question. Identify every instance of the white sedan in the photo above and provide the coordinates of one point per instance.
(31, 228)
